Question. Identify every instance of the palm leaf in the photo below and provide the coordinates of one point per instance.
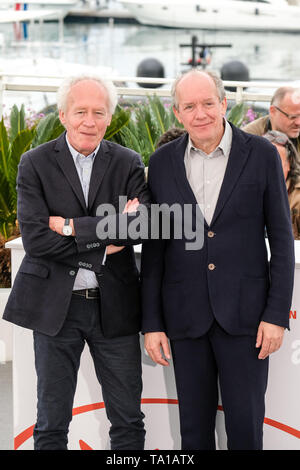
(47, 128)
(4, 149)
(119, 120)
(159, 113)
(17, 121)
(236, 114)
(20, 145)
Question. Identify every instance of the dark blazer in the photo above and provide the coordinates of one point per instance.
(181, 295)
(48, 184)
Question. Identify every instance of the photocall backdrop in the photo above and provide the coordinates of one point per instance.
(89, 427)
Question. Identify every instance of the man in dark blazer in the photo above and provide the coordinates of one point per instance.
(223, 307)
(74, 286)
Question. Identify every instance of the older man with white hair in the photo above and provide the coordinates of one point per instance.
(66, 291)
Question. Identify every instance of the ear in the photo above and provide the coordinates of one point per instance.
(224, 106)
(109, 118)
(272, 110)
(62, 117)
(175, 111)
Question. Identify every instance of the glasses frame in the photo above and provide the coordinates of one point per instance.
(291, 117)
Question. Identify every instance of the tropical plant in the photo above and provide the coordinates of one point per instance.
(13, 143)
(241, 114)
(149, 120)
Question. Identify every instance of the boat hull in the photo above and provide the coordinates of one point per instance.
(215, 16)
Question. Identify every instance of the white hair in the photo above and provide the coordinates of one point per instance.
(67, 83)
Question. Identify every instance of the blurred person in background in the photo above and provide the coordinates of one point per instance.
(284, 116)
(291, 170)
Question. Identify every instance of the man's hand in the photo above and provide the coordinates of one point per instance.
(155, 344)
(269, 338)
(56, 224)
(131, 206)
(112, 249)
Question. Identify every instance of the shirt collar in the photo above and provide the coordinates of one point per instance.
(224, 145)
(75, 152)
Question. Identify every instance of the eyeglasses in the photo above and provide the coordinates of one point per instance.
(291, 117)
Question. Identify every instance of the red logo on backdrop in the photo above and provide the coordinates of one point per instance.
(293, 314)
(27, 434)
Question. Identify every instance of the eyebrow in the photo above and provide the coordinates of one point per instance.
(82, 108)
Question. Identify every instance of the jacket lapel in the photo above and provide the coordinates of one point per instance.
(66, 163)
(238, 157)
(101, 163)
(181, 179)
(177, 158)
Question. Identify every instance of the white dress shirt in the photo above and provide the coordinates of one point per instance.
(85, 279)
(205, 172)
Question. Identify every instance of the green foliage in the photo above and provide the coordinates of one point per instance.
(17, 121)
(47, 129)
(149, 120)
(241, 114)
(236, 114)
(120, 119)
(12, 145)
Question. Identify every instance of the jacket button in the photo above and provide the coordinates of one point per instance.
(211, 267)
(210, 234)
(72, 273)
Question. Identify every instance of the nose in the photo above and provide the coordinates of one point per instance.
(199, 112)
(89, 120)
(297, 121)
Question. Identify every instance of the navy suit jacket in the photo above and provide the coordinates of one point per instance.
(48, 184)
(180, 294)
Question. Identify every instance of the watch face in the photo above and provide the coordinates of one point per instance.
(67, 230)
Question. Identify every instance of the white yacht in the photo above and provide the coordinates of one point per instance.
(245, 15)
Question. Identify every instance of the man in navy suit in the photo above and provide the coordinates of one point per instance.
(65, 290)
(223, 306)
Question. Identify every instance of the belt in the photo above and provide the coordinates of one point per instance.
(88, 293)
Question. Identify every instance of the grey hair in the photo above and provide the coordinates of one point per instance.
(215, 77)
(67, 83)
(280, 93)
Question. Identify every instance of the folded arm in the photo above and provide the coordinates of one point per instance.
(38, 239)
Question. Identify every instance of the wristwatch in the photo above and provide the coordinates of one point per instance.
(67, 229)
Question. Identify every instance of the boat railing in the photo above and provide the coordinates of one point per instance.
(237, 91)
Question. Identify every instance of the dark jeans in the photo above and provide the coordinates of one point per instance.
(117, 364)
(199, 364)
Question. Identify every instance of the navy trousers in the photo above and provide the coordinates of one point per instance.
(232, 360)
(117, 364)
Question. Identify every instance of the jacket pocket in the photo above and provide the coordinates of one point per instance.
(35, 269)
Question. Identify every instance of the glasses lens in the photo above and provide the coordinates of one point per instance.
(292, 117)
